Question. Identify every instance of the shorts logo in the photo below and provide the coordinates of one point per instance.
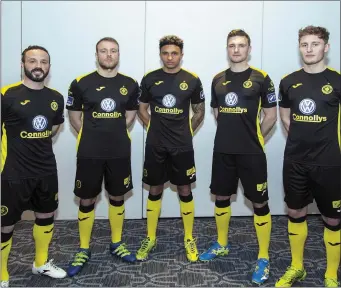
(183, 86)
(54, 105)
(271, 98)
(231, 99)
(327, 89)
(247, 84)
(262, 187)
(124, 91)
(168, 101)
(126, 181)
(56, 197)
(4, 210)
(108, 104)
(145, 173)
(39, 123)
(69, 101)
(336, 204)
(307, 106)
(191, 172)
(78, 184)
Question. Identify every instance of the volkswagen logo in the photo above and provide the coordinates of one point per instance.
(307, 106)
(39, 123)
(108, 104)
(231, 99)
(168, 101)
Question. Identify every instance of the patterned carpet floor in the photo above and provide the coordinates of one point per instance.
(167, 265)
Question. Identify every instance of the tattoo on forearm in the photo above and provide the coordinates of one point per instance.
(199, 113)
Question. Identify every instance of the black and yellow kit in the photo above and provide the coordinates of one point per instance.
(239, 144)
(312, 158)
(103, 144)
(169, 147)
(28, 166)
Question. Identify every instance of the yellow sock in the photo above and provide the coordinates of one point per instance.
(222, 219)
(116, 218)
(332, 242)
(85, 224)
(187, 214)
(298, 233)
(42, 236)
(153, 213)
(263, 231)
(5, 250)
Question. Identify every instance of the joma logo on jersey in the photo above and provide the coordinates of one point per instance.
(39, 124)
(307, 107)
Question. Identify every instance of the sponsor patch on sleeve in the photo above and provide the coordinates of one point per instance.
(271, 97)
(69, 101)
(202, 94)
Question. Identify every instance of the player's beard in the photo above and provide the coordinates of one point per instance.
(105, 66)
(29, 74)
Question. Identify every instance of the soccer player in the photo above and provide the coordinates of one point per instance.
(169, 153)
(31, 114)
(102, 105)
(309, 101)
(239, 94)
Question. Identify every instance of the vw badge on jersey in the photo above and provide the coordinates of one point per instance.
(231, 99)
(39, 123)
(168, 101)
(108, 104)
(307, 106)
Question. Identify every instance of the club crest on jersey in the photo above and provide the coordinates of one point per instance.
(39, 123)
(247, 84)
(123, 91)
(307, 106)
(168, 101)
(54, 105)
(327, 89)
(108, 105)
(4, 210)
(231, 99)
(183, 86)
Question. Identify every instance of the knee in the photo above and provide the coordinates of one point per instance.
(184, 190)
(87, 202)
(297, 213)
(222, 198)
(332, 224)
(116, 198)
(156, 190)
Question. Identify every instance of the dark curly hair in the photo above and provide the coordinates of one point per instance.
(171, 40)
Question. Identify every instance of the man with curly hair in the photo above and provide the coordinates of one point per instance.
(169, 153)
(310, 111)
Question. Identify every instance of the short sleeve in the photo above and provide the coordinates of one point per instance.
(74, 99)
(59, 117)
(133, 102)
(145, 95)
(198, 95)
(283, 97)
(268, 93)
(214, 100)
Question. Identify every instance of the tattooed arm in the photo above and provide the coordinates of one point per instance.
(199, 113)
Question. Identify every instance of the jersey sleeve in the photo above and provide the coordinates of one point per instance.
(268, 94)
(74, 99)
(59, 117)
(198, 94)
(132, 103)
(145, 95)
(214, 100)
(283, 97)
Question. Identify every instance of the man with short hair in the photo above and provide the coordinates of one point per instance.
(169, 154)
(309, 103)
(239, 95)
(102, 105)
(31, 114)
